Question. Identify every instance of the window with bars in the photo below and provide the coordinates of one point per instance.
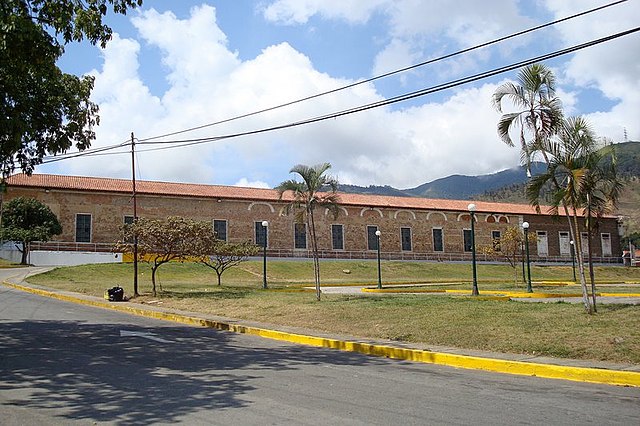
(405, 239)
(372, 238)
(300, 235)
(83, 228)
(438, 240)
(262, 239)
(468, 237)
(337, 237)
(220, 229)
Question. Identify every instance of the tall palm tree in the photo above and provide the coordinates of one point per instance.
(601, 189)
(571, 159)
(316, 190)
(538, 112)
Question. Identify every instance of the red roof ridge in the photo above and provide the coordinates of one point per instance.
(151, 187)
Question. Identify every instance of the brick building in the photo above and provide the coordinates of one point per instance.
(92, 211)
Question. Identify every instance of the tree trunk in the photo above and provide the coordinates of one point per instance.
(154, 268)
(24, 252)
(580, 260)
(314, 249)
(590, 254)
(219, 274)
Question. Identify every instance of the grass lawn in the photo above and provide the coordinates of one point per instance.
(7, 264)
(555, 329)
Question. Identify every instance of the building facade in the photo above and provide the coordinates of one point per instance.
(93, 210)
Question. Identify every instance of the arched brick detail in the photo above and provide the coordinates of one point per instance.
(444, 216)
(413, 215)
(503, 219)
(375, 209)
(466, 217)
(261, 203)
(346, 213)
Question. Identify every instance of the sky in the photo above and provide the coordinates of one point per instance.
(176, 65)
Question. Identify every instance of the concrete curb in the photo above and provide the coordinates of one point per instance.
(497, 294)
(550, 371)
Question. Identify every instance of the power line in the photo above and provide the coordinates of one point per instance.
(423, 92)
(388, 74)
(86, 153)
(396, 99)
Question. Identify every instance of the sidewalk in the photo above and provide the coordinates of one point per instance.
(557, 368)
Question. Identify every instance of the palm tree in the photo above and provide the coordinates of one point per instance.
(539, 110)
(601, 188)
(307, 196)
(571, 160)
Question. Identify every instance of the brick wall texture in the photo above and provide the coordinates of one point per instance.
(108, 209)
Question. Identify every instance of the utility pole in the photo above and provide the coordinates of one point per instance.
(135, 217)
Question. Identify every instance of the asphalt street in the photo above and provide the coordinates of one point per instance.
(62, 363)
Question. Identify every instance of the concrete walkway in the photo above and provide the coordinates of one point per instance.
(358, 290)
(557, 368)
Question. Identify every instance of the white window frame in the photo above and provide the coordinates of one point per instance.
(609, 251)
(565, 249)
(539, 245)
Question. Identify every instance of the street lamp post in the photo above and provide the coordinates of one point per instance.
(525, 227)
(378, 233)
(265, 225)
(573, 258)
(524, 276)
(472, 209)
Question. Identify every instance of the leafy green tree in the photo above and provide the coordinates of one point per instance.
(633, 238)
(221, 255)
(162, 240)
(44, 111)
(25, 220)
(306, 196)
(508, 247)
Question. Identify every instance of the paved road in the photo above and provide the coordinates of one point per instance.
(62, 363)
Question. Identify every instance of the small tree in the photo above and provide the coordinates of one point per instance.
(162, 240)
(221, 255)
(27, 219)
(508, 247)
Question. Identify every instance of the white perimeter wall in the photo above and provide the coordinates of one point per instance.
(58, 258)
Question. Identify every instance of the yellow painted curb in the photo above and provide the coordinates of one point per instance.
(619, 294)
(493, 295)
(550, 371)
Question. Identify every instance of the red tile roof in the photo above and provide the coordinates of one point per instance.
(81, 183)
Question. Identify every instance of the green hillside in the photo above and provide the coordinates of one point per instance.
(628, 163)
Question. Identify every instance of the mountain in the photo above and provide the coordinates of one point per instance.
(628, 158)
(457, 187)
(462, 187)
(504, 186)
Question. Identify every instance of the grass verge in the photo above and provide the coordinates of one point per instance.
(556, 329)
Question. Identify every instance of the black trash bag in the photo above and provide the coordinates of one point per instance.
(115, 294)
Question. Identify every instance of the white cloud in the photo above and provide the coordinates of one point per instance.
(403, 147)
(209, 83)
(612, 68)
(299, 11)
(246, 183)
